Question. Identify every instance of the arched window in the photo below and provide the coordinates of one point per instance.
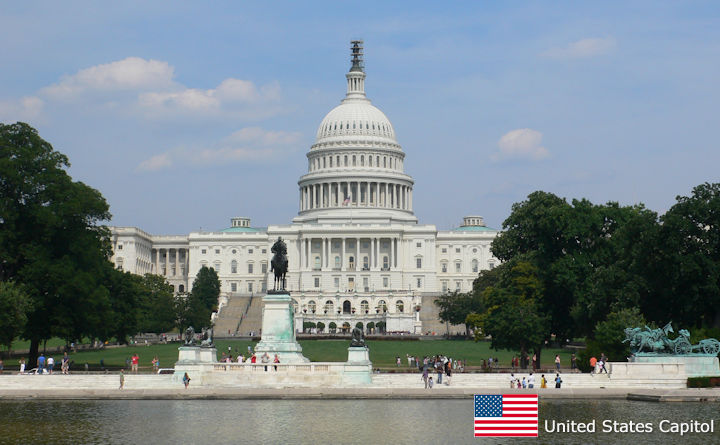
(330, 161)
(458, 267)
(362, 160)
(351, 262)
(354, 161)
(181, 288)
(119, 263)
(364, 307)
(475, 266)
(443, 267)
(250, 268)
(366, 263)
(311, 306)
(217, 267)
(346, 161)
(337, 160)
(233, 266)
(346, 307)
(370, 161)
(384, 161)
(399, 306)
(386, 263)
(317, 263)
(381, 306)
(295, 305)
(328, 307)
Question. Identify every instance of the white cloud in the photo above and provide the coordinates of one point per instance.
(583, 48)
(523, 143)
(231, 95)
(252, 144)
(129, 74)
(24, 109)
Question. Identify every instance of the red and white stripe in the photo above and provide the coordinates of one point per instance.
(519, 418)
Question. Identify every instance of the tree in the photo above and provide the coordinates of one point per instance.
(321, 326)
(332, 326)
(610, 333)
(157, 305)
(514, 317)
(455, 307)
(50, 239)
(14, 305)
(687, 267)
(203, 299)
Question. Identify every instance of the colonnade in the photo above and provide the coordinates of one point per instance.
(376, 252)
(356, 194)
(170, 262)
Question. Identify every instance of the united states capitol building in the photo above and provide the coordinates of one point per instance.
(356, 250)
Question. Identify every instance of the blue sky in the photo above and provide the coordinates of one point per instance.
(185, 114)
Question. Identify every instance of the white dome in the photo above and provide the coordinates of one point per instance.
(356, 117)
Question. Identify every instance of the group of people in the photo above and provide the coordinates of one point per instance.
(516, 382)
(46, 365)
(598, 366)
(264, 359)
(412, 361)
(439, 364)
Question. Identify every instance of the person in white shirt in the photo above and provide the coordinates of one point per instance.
(531, 380)
(512, 380)
(50, 364)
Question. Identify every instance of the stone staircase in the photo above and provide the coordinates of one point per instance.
(241, 315)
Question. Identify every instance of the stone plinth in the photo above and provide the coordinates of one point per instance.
(196, 355)
(696, 365)
(196, 361)
(278, 330)
(358, 369)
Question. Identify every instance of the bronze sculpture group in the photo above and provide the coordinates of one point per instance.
(657, 341)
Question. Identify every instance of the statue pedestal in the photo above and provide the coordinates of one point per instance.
(358, 369)
(196, 361)
(696, 365)
(278, 330)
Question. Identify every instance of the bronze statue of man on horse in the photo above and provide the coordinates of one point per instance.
(279, 264)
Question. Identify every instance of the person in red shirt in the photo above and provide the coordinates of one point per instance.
(253, 359)
(593, 364)
(135, 361)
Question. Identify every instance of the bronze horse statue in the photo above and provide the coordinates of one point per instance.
(279, 264)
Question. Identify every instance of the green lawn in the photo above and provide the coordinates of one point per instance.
(382, 353)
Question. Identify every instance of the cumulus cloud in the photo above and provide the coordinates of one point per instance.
(129, 74)
(523, 144)
(583, 48)
(231, 95)
(146, 88)
(252, 144)
(24, 109)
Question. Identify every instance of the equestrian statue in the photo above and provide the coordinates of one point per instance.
(279, 264)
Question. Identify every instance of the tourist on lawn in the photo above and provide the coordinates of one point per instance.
(135, 362)
(50, 364)
(22, 365)
(557, 362)
(155, 363)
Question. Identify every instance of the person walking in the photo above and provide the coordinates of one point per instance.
(122, 379)
(593, 365)
(512, 380)
(425, 375)
(543, 381)
(558, 381)
(448, 371)
(430, 382)
(557, 362)
(50, 364)
(135, 360)
(265, 359)
(573, 362)
(65, 364)
(155, 363)
(186, 380)
(531, 380)
(439, 369)
(276, 360)
(524, 383)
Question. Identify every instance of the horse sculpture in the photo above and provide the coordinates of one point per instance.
(279, 264)
(189, 336)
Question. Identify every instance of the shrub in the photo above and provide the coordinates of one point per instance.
(703, 382)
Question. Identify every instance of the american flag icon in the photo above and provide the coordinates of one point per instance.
(506, 415)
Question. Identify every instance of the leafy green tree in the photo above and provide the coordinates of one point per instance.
(157, 305)
(514, 317)
(14, 305)
(203, 298)
(321, 326)
(455, 307)
(687, 268)
(50, 239)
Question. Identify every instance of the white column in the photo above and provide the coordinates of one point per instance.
(387, 196)
(371, 263)
(177, 265)
(357, 253)
(410, 200)
(342, 258)
(392, 254)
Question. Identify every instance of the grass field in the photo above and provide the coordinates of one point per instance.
(382, 353)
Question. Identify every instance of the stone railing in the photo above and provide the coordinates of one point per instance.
(293, 368)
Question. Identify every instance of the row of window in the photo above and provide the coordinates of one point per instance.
(354, 161)
(457, 250)
(234, 251)
(317, 263)
(458, 266)
(347, 307)
(366, 125)
(234, 267)
(365, 283)
(250, 286)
